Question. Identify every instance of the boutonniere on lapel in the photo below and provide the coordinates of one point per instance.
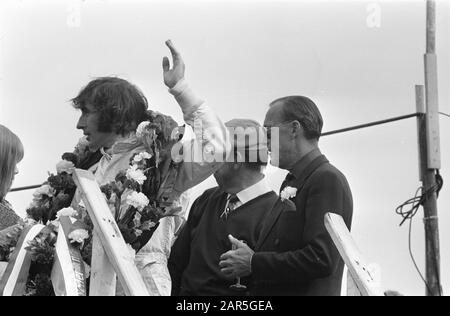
(288, 193)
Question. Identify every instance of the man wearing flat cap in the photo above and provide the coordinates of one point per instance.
(232, 213)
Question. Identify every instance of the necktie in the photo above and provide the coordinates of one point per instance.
(287, 181)
(231, 205)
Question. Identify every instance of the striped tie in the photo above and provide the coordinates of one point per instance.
(230, 206)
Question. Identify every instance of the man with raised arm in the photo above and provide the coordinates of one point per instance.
(112, 108)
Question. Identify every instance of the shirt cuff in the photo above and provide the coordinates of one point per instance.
(185, 96)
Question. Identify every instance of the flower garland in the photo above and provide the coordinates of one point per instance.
(139, 197)
(50, 202)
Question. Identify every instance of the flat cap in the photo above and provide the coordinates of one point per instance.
(247, 135)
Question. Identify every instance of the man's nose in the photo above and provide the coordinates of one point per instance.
(81, 123)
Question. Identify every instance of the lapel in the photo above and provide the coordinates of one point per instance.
(269, 222)
(301, 178)
(275, 213)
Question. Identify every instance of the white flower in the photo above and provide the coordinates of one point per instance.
(133, 173)
(65, 166)
(288, 193)
(78, 235)
(137, 219)
(68, 211)
(34, 203)
(44, 190)
(147, 225)
(55, 224)
(138, 200)
(142, 155)
(141, 129)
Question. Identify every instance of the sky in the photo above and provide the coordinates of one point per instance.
(358, 60)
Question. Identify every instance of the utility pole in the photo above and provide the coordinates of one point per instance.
(429, 152)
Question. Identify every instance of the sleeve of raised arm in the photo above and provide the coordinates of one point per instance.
(205, 153)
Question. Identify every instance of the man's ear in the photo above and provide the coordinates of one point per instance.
(296, 129)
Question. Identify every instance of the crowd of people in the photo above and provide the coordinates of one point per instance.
(239, 238)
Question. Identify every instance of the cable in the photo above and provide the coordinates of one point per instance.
(419, 200)
(445, 114)
(394, 119)
(339, 131)
(409, 215)
(439, 182)
(415, 203)
(30, 187)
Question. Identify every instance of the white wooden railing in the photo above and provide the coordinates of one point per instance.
(111, 258)
(360, 281)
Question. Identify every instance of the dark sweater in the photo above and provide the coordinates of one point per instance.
(194, 260)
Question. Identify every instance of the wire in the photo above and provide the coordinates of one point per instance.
(445, 114)
(409, 215)
(339, 131)
(415, 203)
(439, 182)
(419, 200)
(30, 187)
(390, 120)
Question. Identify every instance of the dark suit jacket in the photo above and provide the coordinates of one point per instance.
(295, 254)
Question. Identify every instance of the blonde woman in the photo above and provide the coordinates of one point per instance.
(11, 153)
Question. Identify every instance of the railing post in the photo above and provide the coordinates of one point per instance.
(108, 233)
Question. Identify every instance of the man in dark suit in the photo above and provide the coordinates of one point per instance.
(295, 255)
